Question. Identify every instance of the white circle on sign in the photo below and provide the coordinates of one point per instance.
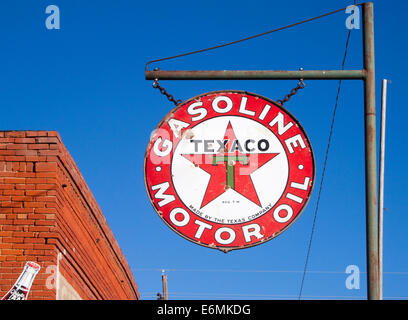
(257, 175)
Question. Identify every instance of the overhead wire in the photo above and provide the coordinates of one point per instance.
(248, 38)
(241, 296)
(324, 167)
(254, 271)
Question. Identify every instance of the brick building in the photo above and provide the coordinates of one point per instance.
(48, 215)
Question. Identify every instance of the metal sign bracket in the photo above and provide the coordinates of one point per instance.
(367, 74)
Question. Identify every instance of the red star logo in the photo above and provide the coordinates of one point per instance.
(230, 169)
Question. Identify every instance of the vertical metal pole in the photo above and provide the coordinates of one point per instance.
(370, 153)
(381, 187)
(164, 281)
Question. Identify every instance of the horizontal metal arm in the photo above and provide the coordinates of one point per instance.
(255, 75)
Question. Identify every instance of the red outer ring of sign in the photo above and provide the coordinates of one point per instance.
(226, 248)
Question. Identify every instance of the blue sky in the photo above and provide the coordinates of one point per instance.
(86, 81)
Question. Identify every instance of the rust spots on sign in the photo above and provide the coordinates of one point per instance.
(187, 134)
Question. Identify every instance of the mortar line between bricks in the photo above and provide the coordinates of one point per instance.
(100, 226)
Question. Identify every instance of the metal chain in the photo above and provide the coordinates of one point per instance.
(156, 85)
(300, 85)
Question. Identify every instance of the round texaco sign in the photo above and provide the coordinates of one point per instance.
(229, 169)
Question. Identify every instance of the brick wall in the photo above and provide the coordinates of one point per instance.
(48, 215)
